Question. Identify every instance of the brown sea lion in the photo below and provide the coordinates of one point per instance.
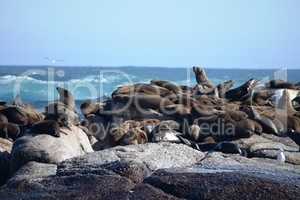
(224, 87)
(134, 136)
(285, 102)
(168, 85)
(15, 115)
(177, 109)
(3, 118)
(262, 97)
(88, 107)
(281, 84)
(140, 88)
(202, 78)
(266, 122)
(61, 113)
(66, 98)
(199, 110)
(150, 89)
(145, 101)
(242, 92)
(49, 127)
(9, 131)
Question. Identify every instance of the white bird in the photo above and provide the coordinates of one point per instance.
(280, 156)
(53, 61)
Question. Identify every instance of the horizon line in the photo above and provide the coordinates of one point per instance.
(155, 66)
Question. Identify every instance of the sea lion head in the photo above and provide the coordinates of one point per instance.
(66, 97)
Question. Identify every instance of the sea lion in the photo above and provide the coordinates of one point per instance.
(281, 84)
(262, 97)
(88, 107)
(202, 79)
(144, 101)
(134, 136)
(49, 127)
(199, 110)
(66, 98)
(168, 85)
(15, 115)
(9, 131)
(3, 118)
(295, 136)
(224, 87)
(285, 101)
(242, 92)
(177, 110)
(246, 128)
(140, 88)
(296, 103)
(228, 147)
(266, 123)
(150, 89)
(61, 113)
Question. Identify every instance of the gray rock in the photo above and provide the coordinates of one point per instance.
(30, 171)
(126, 172)
(148, 192)
(48, 149)
(153, 155)
(267, 146)
(223, 184)
(5, 149)
(80, 187)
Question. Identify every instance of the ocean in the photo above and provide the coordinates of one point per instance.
(36, 85)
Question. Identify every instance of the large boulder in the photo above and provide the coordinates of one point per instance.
(155, 171)
(5, 149)
(153, 155)
(268, 146)
(44, 148)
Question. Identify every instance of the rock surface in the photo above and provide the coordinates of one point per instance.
(155, 171)
(48, 149)
(5, 149)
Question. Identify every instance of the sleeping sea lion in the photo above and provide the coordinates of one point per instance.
(9, 131)
(88, 107)
(144, 101)
(281, 84)
(49, 127)
(16, 115)
(266, 123)
(168, 85)
(228, 147)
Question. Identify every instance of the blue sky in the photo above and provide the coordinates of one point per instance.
(172, 33)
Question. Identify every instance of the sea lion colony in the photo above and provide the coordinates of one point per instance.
(206, 117)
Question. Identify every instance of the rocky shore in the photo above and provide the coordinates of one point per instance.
(156, 141)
